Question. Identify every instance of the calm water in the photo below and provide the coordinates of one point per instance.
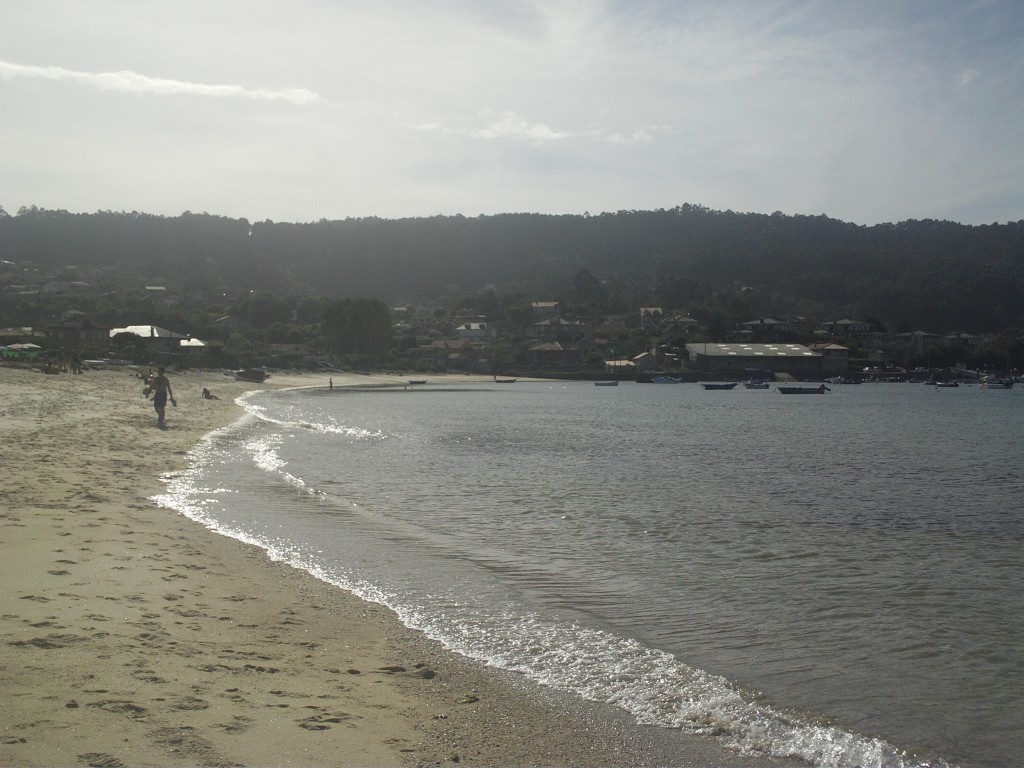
(836, 577)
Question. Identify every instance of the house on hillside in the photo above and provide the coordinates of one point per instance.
(961, 338)
(444, 354)
(915, 342)
(678, 325)
(551, 353)
(650, 318)
(63, 287)
(557, 329)
(160, 340)
(473, 331)
(545, 310)
(846, 328)
(76, 332)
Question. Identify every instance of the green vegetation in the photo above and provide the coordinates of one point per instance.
(243, 287)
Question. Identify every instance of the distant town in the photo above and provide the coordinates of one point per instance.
(543, 339)
(688, 291)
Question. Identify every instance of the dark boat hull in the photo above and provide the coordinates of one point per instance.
(804, 390)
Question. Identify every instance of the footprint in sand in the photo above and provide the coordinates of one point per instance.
(100, 760)
(238, 724)
(50, 641)
(323, 719)
(421, 671)
(191, 704)
(147, 676)
(120, 707)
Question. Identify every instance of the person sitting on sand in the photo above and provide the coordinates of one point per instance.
(161, 388)
(207, 395)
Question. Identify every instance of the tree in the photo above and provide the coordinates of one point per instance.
(588, 290)
(360, 326)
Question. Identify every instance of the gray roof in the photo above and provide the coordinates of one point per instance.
(750, 350)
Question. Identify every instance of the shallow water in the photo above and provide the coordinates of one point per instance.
(835, 577)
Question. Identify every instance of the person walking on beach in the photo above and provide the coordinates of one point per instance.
(160, 386)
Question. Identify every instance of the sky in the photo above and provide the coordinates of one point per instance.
(862, 110)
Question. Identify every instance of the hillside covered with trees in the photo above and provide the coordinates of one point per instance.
(935, 275)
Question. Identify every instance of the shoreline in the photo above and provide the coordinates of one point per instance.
(135, 636)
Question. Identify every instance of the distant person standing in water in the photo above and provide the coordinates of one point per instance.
(161, 388)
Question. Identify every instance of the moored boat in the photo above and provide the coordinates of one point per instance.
(719, 384)
(819, 390)
(606, 383)
(756, 384)
(1006, 383)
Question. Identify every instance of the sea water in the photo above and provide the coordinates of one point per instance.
(836, 577)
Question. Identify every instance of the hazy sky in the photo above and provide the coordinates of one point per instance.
(307, 109)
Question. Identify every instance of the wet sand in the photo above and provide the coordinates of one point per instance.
(131, 636)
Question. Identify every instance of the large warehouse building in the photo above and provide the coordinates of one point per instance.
(779, 358)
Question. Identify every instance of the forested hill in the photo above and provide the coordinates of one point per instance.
(923, 274)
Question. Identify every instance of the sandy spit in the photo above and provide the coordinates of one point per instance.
(132, 636)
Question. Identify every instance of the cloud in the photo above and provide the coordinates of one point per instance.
(511, 126)
(967, 77)
(636, 136)
(132, 82)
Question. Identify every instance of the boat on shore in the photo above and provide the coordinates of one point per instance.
(818, 390)
(719, 385)
(255, 375)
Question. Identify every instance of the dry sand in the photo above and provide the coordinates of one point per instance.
(130, 635)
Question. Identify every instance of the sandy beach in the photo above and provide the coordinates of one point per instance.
(132, 636)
